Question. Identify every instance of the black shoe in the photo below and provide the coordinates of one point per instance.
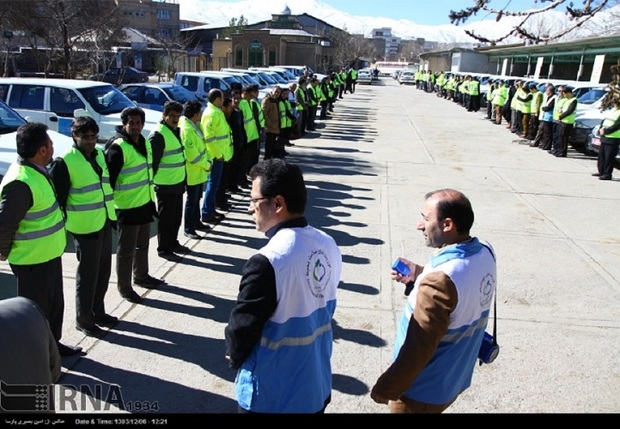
(170, 256)
(203, 227)
(105, 320)
(148, 282)
(604, 178)
(66, 350)
(234, 190)
(213, 218)
(193, 235)
(596, 174)
(225, 207)
(91, 331)
(133, 297)
(290, 144)
(179, 248)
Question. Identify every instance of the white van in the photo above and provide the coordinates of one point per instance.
(10, 121)
(200, 83)
(55, 102)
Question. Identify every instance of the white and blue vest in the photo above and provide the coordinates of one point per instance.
(471, 266)
(290, 370)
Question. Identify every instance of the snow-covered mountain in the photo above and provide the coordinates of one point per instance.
(220, 13)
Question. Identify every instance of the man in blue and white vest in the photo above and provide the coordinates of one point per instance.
(446, 314)
(279, 335)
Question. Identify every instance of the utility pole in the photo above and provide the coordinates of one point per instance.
(8, 34)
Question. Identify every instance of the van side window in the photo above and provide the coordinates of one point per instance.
(27, 97)
(64, 102)
(207, 85)
(4, 90)
(190, 83)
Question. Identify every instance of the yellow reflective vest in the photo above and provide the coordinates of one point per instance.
(217, 133)
(197, 162)
(90, 202)
(171, 169)
(134, 186)
(41, 235)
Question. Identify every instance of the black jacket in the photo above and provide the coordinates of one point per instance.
(115, 160)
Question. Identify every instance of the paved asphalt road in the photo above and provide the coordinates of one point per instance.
(554, 227)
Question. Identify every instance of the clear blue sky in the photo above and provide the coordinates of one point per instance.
(423, 12)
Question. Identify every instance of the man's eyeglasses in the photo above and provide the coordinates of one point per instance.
(89, 136)
(253, 201)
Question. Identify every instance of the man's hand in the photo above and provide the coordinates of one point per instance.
(2, 258)
(378, 398)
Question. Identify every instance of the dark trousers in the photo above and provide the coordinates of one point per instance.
(244, 162)
(281, 142)
(132, 255)
(533, 127)
(192, 208)
(547, 135)
(311, 118)
(323, 110)
(562, 144)
(228, 176)
(302, 122)
(94, 255)
(254, 153)
(607, 153)
(42, 283)
(270, 145)
(170, 210)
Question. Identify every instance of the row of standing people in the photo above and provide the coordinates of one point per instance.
(133, 182)
(541, 119)
(89, 192)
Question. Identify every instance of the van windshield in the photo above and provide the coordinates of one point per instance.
(106, 99)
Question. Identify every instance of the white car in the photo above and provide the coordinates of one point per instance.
(10, 120)
(55, 102)
(406, 77)
(364, 76)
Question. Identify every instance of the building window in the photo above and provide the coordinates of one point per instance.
(239, 56)
(272, 56)
(165, 33)
(163, 14)
(255, 54)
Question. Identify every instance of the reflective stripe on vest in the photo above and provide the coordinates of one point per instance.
(171, 169)
(41, 235)
(90, 201)
(134, 185)
(610, 118)
(249, 124)
(570, 119)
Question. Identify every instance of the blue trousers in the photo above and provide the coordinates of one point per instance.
(208, 202)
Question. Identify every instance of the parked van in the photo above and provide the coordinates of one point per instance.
(201, 83)
(261, 76)
(55, 102)
(10, 121)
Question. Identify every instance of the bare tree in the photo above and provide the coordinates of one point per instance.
(174, 47)
(59, 26)
(347, 48)
(577, 17)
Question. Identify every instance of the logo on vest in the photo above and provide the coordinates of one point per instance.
(318, 273)
(486, 289)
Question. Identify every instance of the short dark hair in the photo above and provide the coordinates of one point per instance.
(191, 107)
(455, 205)
(132, 111)
(214, 94)
(84, 124)
(30, 137)
(172, 106)
(227, 101)
(279, 177)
